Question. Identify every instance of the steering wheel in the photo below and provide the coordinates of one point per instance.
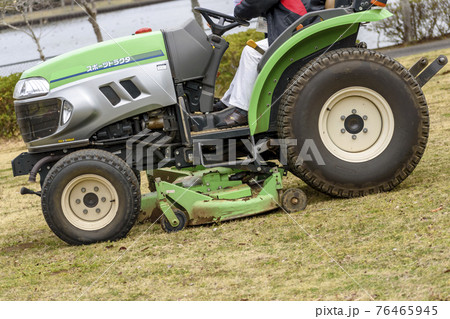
(220, 28)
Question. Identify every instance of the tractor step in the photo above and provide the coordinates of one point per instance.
(222, 133)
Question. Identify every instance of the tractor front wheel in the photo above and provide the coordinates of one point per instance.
(90, 196)
(359, 122)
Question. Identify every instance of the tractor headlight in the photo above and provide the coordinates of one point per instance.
(31, 87)
(67, 110)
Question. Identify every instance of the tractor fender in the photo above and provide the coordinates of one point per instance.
(300, 45)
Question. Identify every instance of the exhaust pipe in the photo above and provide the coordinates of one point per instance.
(40, 163)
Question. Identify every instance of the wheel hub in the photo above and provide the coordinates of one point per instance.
(90, 200)
(354, 124)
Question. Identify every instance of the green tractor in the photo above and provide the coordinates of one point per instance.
(346, 120)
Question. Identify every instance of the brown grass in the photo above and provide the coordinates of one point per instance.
(393, 246)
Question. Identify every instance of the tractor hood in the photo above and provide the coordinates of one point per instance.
(101, 58)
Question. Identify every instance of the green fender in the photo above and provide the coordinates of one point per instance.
(302, 44)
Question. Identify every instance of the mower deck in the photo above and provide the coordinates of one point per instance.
(212, 195)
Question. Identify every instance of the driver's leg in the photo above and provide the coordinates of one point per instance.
(239, 93)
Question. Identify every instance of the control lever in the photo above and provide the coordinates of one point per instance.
(252, 44)
(27, 191)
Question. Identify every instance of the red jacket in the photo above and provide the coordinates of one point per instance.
(280, 14)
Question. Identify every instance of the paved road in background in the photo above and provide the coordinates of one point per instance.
(417, 49)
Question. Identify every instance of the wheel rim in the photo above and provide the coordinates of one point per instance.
(89, 202)
(356, 124)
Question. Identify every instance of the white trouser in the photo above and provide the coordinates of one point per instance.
(241, 88)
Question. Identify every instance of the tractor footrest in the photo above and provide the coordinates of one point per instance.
(222, 133)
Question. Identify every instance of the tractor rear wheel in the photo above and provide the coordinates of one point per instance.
(91, 196)
(360, 122)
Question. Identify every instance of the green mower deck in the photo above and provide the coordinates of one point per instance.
(211, 195)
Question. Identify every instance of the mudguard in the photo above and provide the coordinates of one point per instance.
(298, 46)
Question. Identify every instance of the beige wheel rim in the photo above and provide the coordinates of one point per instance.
(356, 124)
(89, 202)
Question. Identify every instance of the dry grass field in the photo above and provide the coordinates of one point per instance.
(391, 246)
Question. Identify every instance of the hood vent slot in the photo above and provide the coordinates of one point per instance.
(110, 94)
(131, 88)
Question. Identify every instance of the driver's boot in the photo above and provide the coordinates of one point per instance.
(219, 106)
(231, 117)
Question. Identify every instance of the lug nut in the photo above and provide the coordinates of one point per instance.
(83, 190)
(95, 189)
(354, 111)
(365, 130)
(354, 137)
(85, 211)
(103, 199)
(343, 131)
(98, 210)
(365, 117)
(78, 201)
(343, 117)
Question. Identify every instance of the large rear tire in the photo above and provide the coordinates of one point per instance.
(91, 196)
(364, 118)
